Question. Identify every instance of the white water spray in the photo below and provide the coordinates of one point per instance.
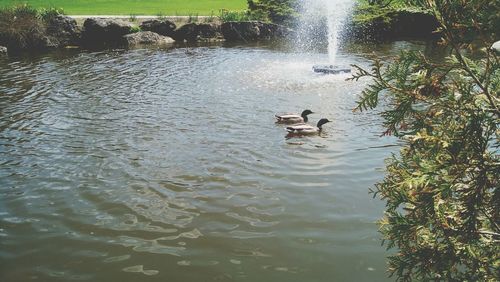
(312, 28)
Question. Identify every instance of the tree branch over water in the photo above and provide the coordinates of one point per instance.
(441, 191)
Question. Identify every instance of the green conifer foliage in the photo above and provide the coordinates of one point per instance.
(277, 11)
(442, 189)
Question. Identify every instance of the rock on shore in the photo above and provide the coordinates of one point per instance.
(146, 38)
(162, 27)
(187, 32)
(207, 31)
(251, 31)
(100, 32)
(63, 31)
(3, 51)
(193, 32)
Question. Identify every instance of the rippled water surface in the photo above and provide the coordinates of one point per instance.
(166, 165)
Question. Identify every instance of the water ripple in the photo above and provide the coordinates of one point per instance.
(122, 157)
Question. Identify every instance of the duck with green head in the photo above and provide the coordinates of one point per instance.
(293, 118)
(306, 129)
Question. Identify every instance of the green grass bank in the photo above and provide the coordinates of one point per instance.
(135, 7)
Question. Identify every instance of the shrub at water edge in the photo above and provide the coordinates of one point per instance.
(25, 28)
(442, 190)
(21, 27)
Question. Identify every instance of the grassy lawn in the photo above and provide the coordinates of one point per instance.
(135, 7)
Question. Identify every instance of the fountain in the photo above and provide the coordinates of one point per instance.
(322, 19)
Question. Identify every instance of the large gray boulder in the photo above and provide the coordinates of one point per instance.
(251, 31)
(63, 31)
(146, 38)
(162, 27)
(100, 32)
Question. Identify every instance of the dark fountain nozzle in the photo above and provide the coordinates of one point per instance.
(330, 69)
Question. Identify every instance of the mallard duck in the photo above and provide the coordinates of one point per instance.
(293, 118)
(306, 129)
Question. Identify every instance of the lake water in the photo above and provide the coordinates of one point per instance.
(166, 165)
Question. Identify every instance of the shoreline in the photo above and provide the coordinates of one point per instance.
(108, 31)
(138, 19)
(137, 16)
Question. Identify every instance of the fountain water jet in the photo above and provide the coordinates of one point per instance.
(320, 19)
